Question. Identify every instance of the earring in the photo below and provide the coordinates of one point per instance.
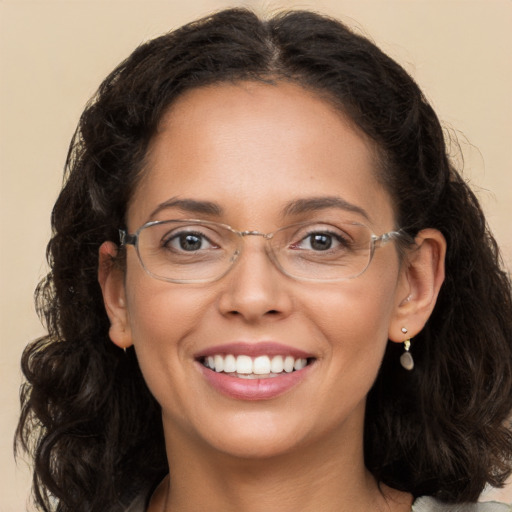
(406, 359)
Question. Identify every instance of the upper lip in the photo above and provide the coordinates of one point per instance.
(262, 348)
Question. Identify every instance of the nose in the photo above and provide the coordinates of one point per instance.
(255, 290)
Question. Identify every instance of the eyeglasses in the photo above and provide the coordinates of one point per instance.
(198, 251)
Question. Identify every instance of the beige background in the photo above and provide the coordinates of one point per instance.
(53, 55)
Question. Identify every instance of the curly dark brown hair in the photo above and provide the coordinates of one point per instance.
(88, 418)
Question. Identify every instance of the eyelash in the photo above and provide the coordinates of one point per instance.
(179, 236)
(343, 241)
(336, 240)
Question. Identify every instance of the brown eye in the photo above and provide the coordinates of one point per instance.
(188, 242)
(320, 242)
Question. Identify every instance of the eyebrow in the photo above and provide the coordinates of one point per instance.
(190, 206)
(296, 207)
(313, 204)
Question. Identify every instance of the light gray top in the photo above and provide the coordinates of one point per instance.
(424, 504)
(427, 504)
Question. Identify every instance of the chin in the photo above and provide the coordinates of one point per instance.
(247, 435)
(256, 447)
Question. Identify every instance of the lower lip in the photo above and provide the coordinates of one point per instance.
(254, 389)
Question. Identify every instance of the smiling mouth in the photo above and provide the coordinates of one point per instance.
(261, 367)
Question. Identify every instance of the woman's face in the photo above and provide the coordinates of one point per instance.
(252, 150)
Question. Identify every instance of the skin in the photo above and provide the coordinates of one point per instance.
(251, 148)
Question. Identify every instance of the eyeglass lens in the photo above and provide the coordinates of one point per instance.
(188, 251)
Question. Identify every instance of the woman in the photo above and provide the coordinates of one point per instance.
(270, 290)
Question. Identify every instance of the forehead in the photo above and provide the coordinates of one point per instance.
(252, 147)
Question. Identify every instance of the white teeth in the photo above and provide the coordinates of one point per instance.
(277, 364)
(299, 364)
(261, 365)
(229, 364)
(219, 363)
(247, 367)
(288, 364)
(243, 364)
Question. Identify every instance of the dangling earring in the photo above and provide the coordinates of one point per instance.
(406, 359)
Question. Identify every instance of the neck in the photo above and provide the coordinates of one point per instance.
(309, 479)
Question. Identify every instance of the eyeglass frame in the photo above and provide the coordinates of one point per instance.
(126, 238)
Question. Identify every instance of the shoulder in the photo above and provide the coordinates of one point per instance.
(424, 504)
(141, 497)
(428, 504)
(138, 504)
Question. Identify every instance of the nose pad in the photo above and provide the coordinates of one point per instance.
(255, 287)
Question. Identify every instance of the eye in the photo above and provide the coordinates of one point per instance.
(188, 241)
(321, 241)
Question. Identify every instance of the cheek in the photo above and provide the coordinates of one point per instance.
(352, 309)
(161, 313)
(353, 327)
(162, 316)
(353, 323)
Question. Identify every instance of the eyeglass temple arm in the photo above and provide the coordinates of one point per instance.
(386, 237)
(126, 239)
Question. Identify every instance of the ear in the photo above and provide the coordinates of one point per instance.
(422, 275)
(111, 279)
